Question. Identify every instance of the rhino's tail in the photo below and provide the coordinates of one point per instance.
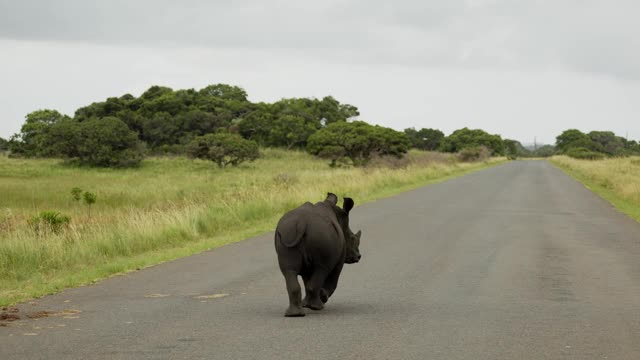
(290, 231)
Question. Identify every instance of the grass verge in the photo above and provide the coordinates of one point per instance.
(616, 180)
(169, 208)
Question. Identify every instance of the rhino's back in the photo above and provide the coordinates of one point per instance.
(317, 221)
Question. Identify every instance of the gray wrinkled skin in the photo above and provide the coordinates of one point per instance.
(315, 241)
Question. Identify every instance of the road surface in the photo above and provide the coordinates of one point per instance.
(518, 261)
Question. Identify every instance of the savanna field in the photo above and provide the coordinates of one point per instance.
(169, 208)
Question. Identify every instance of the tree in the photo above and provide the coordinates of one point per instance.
(256, 125)
(168, 119)
(4, 144)
(160, 129)
(358, 141)
(226, 92)
(631, 147)
(544, 151)
(106, 142)
(197, 122)
(513, 148)
(611, 144)
(319, 113)
(425, 139)
(63, 138)
(331, 110)
(223, 149)
(155, 92)
(289, 131)
(573, 138)
(164, 102)
(466, 138)
(34, 132)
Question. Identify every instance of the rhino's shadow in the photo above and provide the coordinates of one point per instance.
(337, 310)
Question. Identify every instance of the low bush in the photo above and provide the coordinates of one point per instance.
(584, 154)
(49, 220)
(224, 149)
(472, 154)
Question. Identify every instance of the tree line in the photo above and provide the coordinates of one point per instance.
(595, 145)
(219, 123)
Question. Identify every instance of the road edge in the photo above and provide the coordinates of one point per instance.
(619, 203)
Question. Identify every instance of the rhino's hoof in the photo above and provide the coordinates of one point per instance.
(294, 312)
(323, 296)
(317, 305)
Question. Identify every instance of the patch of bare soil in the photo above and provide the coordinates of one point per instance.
(39, 314)
(9, 314)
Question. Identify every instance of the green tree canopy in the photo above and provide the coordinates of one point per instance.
(289, 131)
(256, 125)
(466, 138)
(223, 149)
(425, 139)
(358, 141)
(106, 142)
(33, 134)
(574, 138)
(161, 128)
(610, 143)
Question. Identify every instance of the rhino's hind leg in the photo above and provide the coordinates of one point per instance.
(324, 296)
(307, 292)
(330, 284)
(313, 300)
(295, 294)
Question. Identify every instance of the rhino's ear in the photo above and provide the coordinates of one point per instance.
(331, 197)
(348, 204)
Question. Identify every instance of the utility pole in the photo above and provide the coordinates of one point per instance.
(535, 143)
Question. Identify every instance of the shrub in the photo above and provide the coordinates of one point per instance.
(76, 194)
(49, 220)
(89, 199)
(476, 153)
(357, 141)
(106, 142)
(469, 138)
(223, 149)
(584, 153)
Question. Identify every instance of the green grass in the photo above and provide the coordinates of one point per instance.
(169, 208)
(616, 180)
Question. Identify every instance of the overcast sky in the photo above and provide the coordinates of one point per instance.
(517, 68)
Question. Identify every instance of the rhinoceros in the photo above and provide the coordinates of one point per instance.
(315, 241)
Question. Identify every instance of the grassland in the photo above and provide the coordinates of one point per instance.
(169, 208)
(616, 180)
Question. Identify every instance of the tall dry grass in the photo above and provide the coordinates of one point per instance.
(169, 207)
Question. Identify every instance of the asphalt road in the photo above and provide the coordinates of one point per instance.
(515, 262)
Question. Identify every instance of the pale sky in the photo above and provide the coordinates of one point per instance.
(517, 68)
